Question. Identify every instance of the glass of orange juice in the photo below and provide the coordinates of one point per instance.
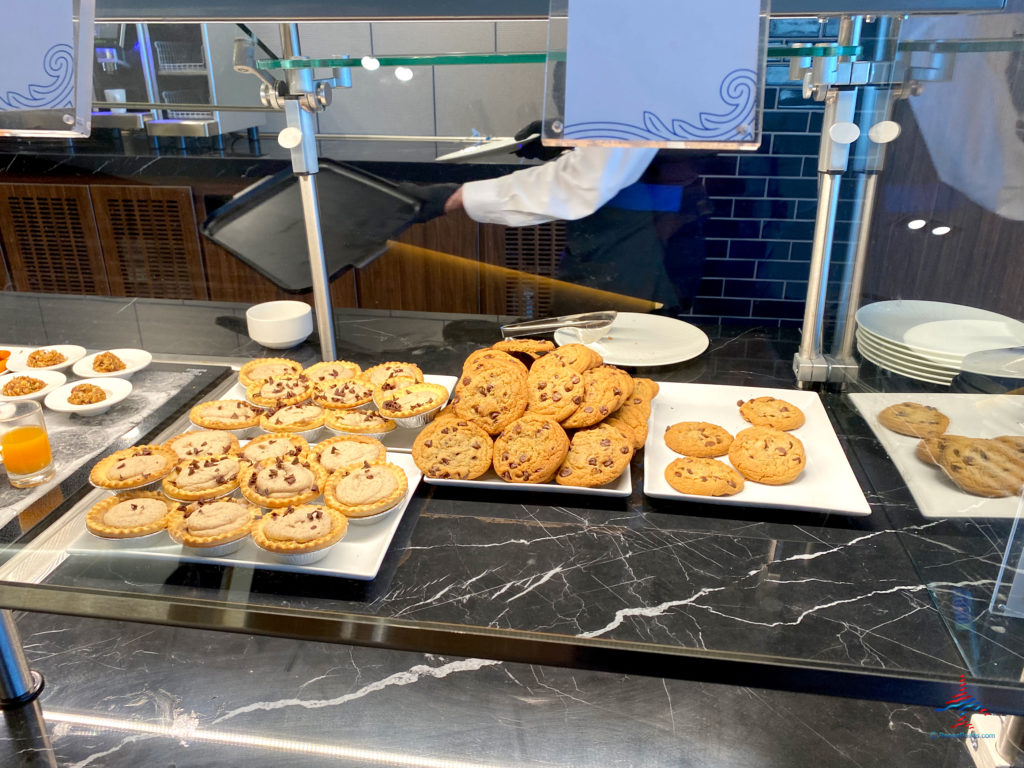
(26, 447)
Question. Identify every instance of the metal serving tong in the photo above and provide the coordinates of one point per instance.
(586, 327)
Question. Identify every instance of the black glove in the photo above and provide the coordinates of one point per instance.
(533, 149)
(432, 196)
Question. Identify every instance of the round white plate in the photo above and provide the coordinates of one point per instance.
(894, 319)
(888, 365)
(902, 362)
(911, 358)
(639, 339)
(1006, 363)
(965, 336)
(53, 380)
(116, 389)
(952, 362)
(134, 359)
(18, 361)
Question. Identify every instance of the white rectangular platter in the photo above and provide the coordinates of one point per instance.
(969, 415)
(357, 556)
(826, 485)
(622, 486)
(397, 439)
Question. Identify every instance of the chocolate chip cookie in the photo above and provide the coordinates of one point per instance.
(928, 449)
(914, 419)
(604, 390)
(552, 389)
(768, 456)
(771, 412)
(453, 448)
(493, 397)
(982, 467)
(703, 476)
(597, 456)
(530, 450)
(698, 438)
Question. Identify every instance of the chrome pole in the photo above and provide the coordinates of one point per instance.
(849, 303)
(18, 684)
(817, 279)
(300, 138)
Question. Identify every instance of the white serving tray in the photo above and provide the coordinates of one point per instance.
(620, 487)
(970, 415)
(398, 439)
(826, 485)
(357, 556)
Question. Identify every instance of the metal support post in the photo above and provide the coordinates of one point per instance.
(18, 684)
(300, 138)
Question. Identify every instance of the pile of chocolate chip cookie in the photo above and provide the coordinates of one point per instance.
(990, 467)
(764, 453)
(536, 414)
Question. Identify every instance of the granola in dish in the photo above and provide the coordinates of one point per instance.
(107, 362)
(86, 394)
(44, 358)
(19, 386)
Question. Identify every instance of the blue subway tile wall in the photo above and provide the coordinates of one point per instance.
(765, 202)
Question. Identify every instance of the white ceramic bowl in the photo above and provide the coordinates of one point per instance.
(116, 389)
(18, 361)
(279, 324)
(134, 360)
(53, 380)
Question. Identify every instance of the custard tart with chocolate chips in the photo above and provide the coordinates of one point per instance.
(278, 391)
(345, 450)
(366, 490)
(273, 445)
(225, 414)
(133, 467)
(129, 515)
(332, 371)
(282, 481)
(379, 374)
(264, 368)
(205, 524)
(300, 417)
(296, 530)
(203, 442)
(359, 421)
(204, 477)
(343, 394)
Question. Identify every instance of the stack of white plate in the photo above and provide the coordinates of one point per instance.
(928, 340)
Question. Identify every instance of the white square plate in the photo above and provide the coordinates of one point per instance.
(357, 556)
(969, 415)
(827, 484)
(621, 486)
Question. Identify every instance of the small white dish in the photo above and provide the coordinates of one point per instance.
(134, 359)
(53, 380)
(131, 542)
(279, 324)
(116, 389)
(220, 550)
(18, 361)
(299, 558)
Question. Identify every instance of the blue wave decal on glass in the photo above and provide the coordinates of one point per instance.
(59, 67)
(737, 91)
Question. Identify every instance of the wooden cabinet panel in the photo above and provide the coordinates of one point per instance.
(150, 241)
(50, 239)
(431, 267)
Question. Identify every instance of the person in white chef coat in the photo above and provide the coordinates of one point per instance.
(634, 219)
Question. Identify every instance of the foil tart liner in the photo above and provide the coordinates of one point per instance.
(180, 500)
(299, 558)
(374, 435)
(309, 435)
(419, 420)
(245, 433)
(149, 485)
(227, 548)
(377, 517)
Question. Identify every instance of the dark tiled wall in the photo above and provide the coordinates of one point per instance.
(759, 237)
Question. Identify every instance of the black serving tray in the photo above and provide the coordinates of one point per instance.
(263, 224)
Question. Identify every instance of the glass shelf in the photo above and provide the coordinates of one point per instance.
(515, 58)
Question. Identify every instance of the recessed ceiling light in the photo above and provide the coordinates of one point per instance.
(942, 230)
(403, 73)
(916, 224)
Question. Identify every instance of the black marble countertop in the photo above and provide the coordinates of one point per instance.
(710, 590)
